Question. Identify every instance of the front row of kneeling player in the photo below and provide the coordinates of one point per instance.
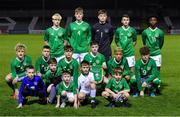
(116, 90)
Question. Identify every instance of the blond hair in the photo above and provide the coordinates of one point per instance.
(118, 50)
(57, 16)
(20, 46)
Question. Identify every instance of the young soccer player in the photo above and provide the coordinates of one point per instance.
(66, 91)
(97, 62)
(153, 37)
(79, 35)
(86, 84)
(55, 37)
(120, 61)
(31, 86)
(102, 33)
(69, 64)
(117, 89)
(146, 73)
(125, 38)
(52, 78)
(42, 62)
(18, 67)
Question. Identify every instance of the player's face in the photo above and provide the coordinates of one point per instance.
(78, 16)
(68, 54)
(56, 22)
(94, 48)
(46, 53)
(85, 69)
(102, 17)
(30, 73)
(67, 78)
(153, 21)
(20, 53)
(53, 67)
(118, 56)
(125, 21)
(117, 76)
(145, 57)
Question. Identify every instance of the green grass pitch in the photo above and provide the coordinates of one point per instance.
(166, 104)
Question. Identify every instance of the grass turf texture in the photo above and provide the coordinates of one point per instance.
(166, 104)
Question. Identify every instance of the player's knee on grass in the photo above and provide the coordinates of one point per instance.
(93, 86)
(156, 81)
(63, 93)
(8, 78)
(105, 80)
(126, 95)
(133, 80)
(81, 96)
(71, 99)
(49, 88)
(105, 94)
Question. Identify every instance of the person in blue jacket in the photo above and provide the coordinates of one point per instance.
(31, 86)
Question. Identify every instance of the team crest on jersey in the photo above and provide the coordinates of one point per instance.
(97, 61)
(129, 34)
(97, 30)
(156, 35)
(35, 83)
(106, 30)
(148, 68)
(70, 67)
(60, 34)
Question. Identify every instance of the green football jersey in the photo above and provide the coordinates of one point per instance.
(124, 38)
(112, 63)
(154, 39)
(96, 63)
(41, 65)
(72, 66)
(71, 88)
(145, 70)
(50, 77)
(55, 39)
(18, 67)
(79, 36)
(117, 86)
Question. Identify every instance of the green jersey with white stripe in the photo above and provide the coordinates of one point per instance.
(154, 39)
(124, 38)
(79, 36)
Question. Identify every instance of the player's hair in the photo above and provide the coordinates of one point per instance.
(52, 61)
(118, 50)
(57, 16)
(84, 62)
(20, 46)
(152, 16)
(125, 15)
(102, 11)
(29, 67)
(46, 47)
(93, 43)
(144, 50)
(66, 72)
(79, 9)
(68, 48)
(118, 70)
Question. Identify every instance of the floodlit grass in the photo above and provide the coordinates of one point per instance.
(166, 104)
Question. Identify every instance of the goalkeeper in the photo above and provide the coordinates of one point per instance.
(117, 90)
